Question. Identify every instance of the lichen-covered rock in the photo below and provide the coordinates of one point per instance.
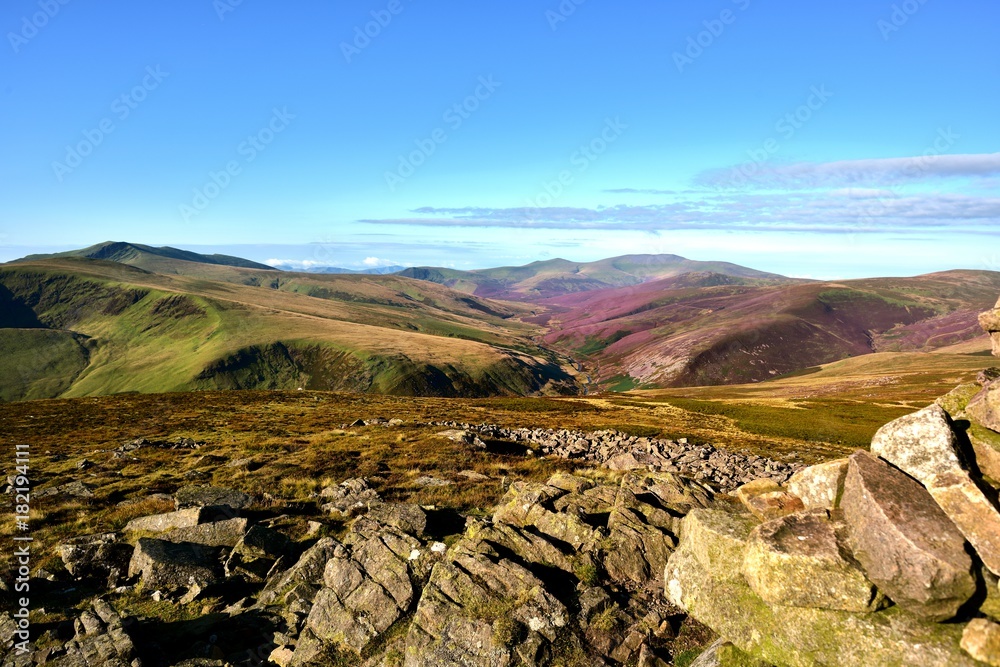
(766, 499)
(642, 524)
(820, 486)
(722, 653)
(405, 517)
(981, 640)
(924, 446)
(528, 504)
(718, 539)
(984, 407)
(907, 545)
(570, 483)
(170, 566)
(801, 560)
(210, 496)
(700, 579)
(366, 590)
(528, 546)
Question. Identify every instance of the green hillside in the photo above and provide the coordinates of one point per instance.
(250, 329)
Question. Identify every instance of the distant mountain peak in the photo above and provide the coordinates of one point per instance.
(125, 252)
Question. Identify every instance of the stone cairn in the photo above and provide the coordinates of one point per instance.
(888, 557)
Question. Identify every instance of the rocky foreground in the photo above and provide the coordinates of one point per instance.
(888, 557)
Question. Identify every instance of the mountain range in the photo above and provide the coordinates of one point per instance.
(120, 317)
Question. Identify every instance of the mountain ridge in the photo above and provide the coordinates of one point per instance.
(125, 252)
(553, 277)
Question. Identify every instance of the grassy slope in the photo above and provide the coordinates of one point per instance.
(294, 443)
(147, 338)
(39, 363)
(666, 333)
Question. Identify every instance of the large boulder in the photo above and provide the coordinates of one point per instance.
(170, 566)
(801, 560)
(703, 578)
(990, 322)
(820, 486)
(984, 408)
(160, 523)
(924, 446)
(906, 543)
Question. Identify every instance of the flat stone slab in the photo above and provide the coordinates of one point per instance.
(205, 496)
(186, 518)
(924, 446)
(800, 560)
(224, 533)
(908, 546)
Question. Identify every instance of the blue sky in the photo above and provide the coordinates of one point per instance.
(814, 139)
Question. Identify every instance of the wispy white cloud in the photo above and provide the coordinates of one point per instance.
(880, 172)
(293, 263)
(858, 210)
